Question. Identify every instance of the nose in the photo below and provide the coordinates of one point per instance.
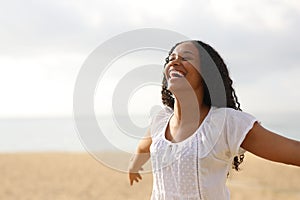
(175, 60)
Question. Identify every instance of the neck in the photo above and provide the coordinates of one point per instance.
(189, 108)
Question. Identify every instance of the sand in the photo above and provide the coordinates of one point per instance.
(78, 176)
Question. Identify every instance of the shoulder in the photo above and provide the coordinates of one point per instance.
(233, 125)
(160, 119)
(232, 121)
(163, 113)
(224, 110)
(231, 114)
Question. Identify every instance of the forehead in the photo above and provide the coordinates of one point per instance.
(186, 47)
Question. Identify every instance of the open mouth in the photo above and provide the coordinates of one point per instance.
(176, 74)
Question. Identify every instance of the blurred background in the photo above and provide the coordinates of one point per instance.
(44, 44)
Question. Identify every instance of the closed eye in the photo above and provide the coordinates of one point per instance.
(182, 58)
(186, 58)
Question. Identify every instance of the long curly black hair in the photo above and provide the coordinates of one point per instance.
(231, 100)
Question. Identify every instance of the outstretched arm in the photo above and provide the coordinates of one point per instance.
(141, 156)
(271, 146)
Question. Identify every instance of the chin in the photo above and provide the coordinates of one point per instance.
(176, 88)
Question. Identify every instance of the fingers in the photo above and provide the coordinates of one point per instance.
(134, 177)
(139, 176)
(131, 182)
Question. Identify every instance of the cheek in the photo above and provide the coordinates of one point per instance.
(166, 69)
(196, 78)
(195, 66)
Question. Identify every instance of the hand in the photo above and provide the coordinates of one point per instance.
(134, 176)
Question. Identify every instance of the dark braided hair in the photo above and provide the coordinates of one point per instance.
(231, 98)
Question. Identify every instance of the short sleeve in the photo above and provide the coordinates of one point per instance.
(238, 126)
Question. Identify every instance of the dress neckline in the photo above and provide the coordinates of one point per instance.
(189, 137)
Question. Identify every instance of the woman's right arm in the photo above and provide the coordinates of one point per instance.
(141, 156)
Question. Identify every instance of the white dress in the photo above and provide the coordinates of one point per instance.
(197, 167)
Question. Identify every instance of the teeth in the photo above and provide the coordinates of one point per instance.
(177, 74)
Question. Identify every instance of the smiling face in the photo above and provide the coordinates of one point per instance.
(182, 69)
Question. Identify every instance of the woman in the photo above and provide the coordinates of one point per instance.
(202, 131)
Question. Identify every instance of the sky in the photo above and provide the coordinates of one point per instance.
(45, 43)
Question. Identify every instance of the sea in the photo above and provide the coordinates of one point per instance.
(61, 134)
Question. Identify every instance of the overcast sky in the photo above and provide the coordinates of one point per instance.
(44, 44)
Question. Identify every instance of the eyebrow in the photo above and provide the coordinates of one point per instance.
(188, 52)
(185, 52)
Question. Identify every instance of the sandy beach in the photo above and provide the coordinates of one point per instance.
(78, 176)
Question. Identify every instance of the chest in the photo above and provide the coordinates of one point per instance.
(177, 134)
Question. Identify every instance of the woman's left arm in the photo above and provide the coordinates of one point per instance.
(271, 146)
